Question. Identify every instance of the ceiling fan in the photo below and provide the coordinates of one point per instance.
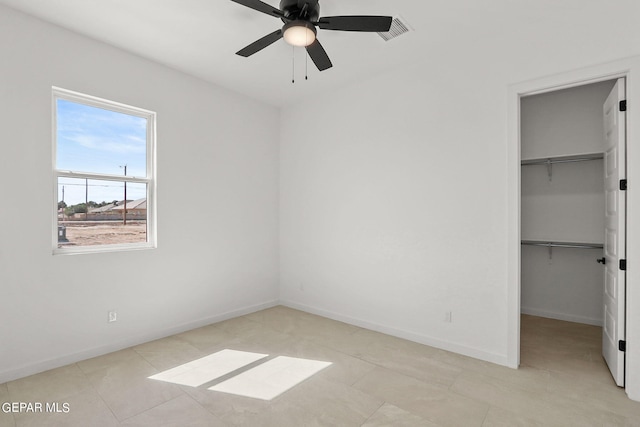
(300, 18)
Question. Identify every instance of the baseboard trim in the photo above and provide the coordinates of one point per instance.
(475, 353)
(561, 316)
(57, 362)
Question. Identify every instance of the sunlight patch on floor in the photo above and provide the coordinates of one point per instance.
(208, 368)
(265, 381)
(272, 378)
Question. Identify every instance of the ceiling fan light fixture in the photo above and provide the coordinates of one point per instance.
(299, 33)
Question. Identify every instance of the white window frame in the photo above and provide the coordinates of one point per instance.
(149, 179)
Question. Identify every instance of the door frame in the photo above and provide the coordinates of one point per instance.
(629, 68)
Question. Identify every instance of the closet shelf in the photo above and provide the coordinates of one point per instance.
(550, 161)
(548, 244)
(562, 159)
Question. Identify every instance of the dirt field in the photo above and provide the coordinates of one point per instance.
(90, 233)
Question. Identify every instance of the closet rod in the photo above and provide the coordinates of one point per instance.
(552, 160)
(563, 244)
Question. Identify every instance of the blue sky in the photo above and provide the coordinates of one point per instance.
(95, 140)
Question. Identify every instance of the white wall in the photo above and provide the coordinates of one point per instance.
(394, 206)
(567, 286)
(217, 205)
(569, 208)
(564, 122)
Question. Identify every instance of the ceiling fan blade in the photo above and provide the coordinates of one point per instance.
(377, 24)
(261, 7)
(319, 56)
(258, 45)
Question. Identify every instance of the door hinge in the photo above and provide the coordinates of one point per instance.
(623, 105)
(623, 184)
(623, 264)
(622, 345)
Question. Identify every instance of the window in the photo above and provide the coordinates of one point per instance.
(104, 174)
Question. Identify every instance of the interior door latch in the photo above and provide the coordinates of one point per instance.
(602, 260)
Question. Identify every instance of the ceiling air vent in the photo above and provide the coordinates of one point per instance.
(398, 27)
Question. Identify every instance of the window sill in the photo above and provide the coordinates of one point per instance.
(79, 250)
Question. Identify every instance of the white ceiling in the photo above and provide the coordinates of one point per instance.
(200, 37)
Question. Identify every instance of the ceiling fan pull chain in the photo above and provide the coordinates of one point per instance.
(306, 57)
(293, 64)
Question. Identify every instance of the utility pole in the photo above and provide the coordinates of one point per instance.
(124, 215)
(86, 199)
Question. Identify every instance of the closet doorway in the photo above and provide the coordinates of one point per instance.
(572, 226)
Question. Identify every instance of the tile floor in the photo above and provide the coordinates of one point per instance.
(374, 380)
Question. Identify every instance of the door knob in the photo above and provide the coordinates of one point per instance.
(602, 260)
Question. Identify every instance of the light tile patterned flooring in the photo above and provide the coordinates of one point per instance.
(374, 380)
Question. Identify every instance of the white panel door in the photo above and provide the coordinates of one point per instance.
(614, 242)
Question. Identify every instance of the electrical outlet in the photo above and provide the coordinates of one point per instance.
(447, 316)
(113, 316)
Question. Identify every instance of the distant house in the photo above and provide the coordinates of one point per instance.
(136, 209)
(135, 206)
(105, 208)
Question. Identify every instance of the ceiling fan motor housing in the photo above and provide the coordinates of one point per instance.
(308, 10)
